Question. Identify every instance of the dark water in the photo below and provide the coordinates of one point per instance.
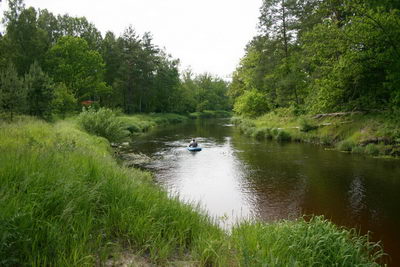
(237, 177)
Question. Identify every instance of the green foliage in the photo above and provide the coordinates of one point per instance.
(40, 92)
(251, 103)
(64, 101)
(25, 42)
(358, 150)
(143, 122)
(282, 136)
(306, 125)
(12, 91)
(323, 56)
(346, 145)
(371, 149)
(128, 72)
(203, 93)
(71, 62)
(302, 243)
(104, 123)
(263, 133)
(210, 114)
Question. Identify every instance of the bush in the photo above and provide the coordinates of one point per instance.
(326, 140)
(346, 145)
(371, 149)
(103, 123)
(251, 103)
(283, 136)
(262, 133)
(210, 114)
(306, 125)
(358, 150)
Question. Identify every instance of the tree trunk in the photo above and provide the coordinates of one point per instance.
(284, 30)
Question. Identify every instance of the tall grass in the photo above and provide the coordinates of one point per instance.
(210, 114)
(139, 123)
(65, 202)
(104, 123)
(301, 243)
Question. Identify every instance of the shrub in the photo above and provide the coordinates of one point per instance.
(326, 140)
(346, 145)
(283, 136)
(262, 133)
(371, 149)
(358, 150)
(251, 103)
(306, 125)
(103, 123)
(133, 128)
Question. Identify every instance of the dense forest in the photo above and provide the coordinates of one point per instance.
(54, 64)
(314, 56)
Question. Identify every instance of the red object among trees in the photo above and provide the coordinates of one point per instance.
(87, 103)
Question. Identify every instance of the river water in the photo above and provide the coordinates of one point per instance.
(236, 177)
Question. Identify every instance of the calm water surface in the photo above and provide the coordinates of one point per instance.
(237, 177)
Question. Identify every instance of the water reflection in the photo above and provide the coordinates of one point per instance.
(236, 177)
(357, 197)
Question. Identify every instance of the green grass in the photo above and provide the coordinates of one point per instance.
(373, 134)
(139, 123)
(104, 123)
(301, 243)
(210, 114)
(66, 202)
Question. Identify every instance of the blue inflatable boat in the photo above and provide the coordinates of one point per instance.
(194, 148)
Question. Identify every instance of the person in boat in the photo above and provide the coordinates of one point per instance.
(193, 143)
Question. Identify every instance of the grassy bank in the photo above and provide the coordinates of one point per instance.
(374, 134)
(140, 123)
(206, 114)
(66, 202)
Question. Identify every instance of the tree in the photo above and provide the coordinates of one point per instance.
(64, 100)
(111, 53)
(129, 73)
(71, 62)
(80, 27)
(25, 41)
(252, 103)
(12, 91)
(40, 92)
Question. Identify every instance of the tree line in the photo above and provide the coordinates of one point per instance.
(316, 56)
(53, 64)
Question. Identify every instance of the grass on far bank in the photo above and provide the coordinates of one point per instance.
(66, 202)
(374, 134)
(138, 123)
(210, 114)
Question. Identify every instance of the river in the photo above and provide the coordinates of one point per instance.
(236, 177)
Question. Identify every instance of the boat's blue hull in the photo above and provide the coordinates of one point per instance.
(194, 148)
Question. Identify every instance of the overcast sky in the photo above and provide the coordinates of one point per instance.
(207, 35)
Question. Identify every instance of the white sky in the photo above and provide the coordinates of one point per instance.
(207, 35)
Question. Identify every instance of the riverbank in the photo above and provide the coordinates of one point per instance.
(140, 123)
(65, 201)
(373, 134)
